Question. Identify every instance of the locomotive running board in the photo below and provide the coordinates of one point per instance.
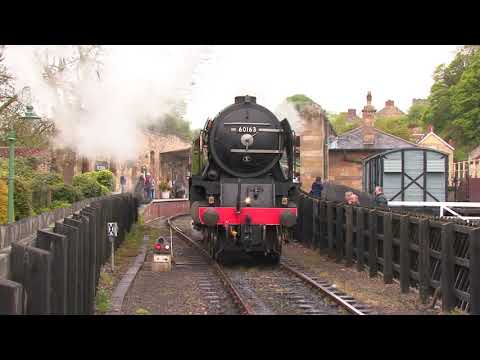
(258, 216)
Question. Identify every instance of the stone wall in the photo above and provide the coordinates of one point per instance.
(313, 150)
(168, 207)
(346, 168)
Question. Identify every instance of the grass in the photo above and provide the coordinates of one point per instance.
(123, 256)
(103, 300)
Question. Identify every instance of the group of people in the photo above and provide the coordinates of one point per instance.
(350, 197)
(146, 185)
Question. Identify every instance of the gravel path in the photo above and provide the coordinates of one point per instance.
(190, 288)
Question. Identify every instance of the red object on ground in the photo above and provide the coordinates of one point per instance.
(258, 216)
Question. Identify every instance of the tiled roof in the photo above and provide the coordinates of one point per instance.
(353, 140)
(422, 140)
(22, 152)
(390, 111)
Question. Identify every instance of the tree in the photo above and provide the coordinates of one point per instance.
(341, 125)
(300, 101)
(173, 124)
(465, 102)
(453, 100)
(34, 134)
(397, 126)
(416, 116)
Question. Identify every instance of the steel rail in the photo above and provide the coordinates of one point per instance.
(330, 294)
(245, 307)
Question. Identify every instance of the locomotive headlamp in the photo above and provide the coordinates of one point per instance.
(211, 200)
(248, 200)
(285, 201)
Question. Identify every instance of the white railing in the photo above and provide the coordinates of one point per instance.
(463, 168)
(445, 206)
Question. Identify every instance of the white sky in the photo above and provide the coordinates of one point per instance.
(336, 77)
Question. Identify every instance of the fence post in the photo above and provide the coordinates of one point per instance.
(349, 235)
(315, 220)
(323, 242)
(330, 229)
(387, 248)
(448, 262)
(57, 245)
(475, 272)
(360, 239)
(424, 260)
(340, 241)
(10, 297)
(404, 254)
(307, 221)
(32, 268)
(372, 243)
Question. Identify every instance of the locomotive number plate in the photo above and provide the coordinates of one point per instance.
(247, 129)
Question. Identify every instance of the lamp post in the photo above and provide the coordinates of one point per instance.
(11, 138)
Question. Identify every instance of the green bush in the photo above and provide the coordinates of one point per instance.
(84, 179)
(22, 199)
(66, 193)
(89, 185)
(51, 179)
(106, 178)
(91, 188)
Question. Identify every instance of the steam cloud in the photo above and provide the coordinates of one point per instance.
(137, 84)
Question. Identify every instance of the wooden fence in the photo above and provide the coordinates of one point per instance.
(419, 251)
(463, 169)
(58, 272)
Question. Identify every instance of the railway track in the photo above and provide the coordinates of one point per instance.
(285, 289)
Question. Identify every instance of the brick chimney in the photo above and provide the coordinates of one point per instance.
(430, 128)
(368, 114)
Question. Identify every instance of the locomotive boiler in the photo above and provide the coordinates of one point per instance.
(242, 188)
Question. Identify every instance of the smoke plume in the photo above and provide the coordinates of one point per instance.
(99, 102)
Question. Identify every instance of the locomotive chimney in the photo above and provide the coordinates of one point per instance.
(245, 99)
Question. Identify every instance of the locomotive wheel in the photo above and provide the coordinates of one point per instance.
(273, 237)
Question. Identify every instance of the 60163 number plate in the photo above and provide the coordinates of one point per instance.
(247, 129)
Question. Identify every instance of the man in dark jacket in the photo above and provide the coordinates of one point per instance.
(317, 187)
(380, 199)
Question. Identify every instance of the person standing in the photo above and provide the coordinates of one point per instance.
(152, 189)
(148, 186)
(317, 187)
(380, 198)
(123, 183)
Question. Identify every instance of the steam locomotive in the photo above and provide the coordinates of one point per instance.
(242, 189)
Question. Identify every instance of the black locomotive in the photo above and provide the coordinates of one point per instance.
(242, 187)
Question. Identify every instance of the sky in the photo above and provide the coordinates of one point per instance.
(337, 77)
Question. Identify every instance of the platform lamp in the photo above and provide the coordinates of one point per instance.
(11, 138)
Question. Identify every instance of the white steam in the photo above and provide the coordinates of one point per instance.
(286, 110)
(133, 86)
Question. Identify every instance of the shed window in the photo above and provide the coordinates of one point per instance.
(392, 166)
(436, 165)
